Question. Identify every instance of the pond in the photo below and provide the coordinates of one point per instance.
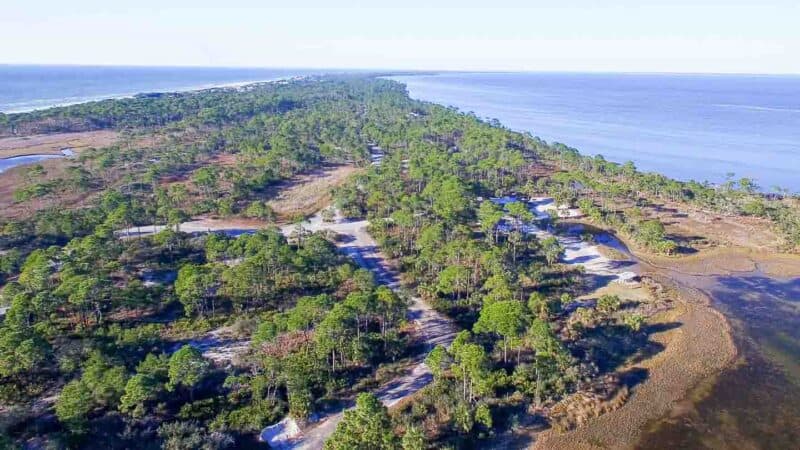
(14, 161)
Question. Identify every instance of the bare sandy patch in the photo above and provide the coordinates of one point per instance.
(612, 253)
(52, 144)
(308, 193)
(215, 223)
(715, 229)
(637, 293)
(222, 160)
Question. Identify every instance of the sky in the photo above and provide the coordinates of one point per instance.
(717, 36)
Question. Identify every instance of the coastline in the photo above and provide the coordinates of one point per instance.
(697, 355)
(545, 105)
(682, 367)
(71, 101)
(694, 353)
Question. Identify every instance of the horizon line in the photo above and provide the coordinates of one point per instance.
(398, 71)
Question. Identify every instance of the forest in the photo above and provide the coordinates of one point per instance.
(110, 339)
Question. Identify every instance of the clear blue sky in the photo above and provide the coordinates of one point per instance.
(754, 36)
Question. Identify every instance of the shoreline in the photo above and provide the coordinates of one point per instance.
(661, 398)
(47, 154)
(125, 95)
(696, 352)
(34, 155)
(749, 402)
(12, 162)
(457, 93)
(27, 155)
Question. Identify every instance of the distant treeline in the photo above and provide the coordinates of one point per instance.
(215, 106)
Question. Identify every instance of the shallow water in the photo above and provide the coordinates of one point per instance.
(7, 163)
(755, 404)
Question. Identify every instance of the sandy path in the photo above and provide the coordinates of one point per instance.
(232, 226)
(434, 328)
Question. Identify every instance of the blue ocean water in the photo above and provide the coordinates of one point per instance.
(699, 127)
(27, 87)
(687, 126)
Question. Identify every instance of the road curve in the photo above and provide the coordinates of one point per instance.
(356, 243)
(434, 328)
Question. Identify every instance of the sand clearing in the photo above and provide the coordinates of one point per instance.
(308, 193)
(233, 226)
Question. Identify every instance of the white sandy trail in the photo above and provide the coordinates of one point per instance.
(576, 251)
(434, 328)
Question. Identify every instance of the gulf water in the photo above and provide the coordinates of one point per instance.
(30, 87)
(700, 127)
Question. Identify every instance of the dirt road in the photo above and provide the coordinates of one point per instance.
(434, 328)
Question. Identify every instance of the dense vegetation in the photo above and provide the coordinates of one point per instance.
(116, 331)
(525, 341)
(215, 106)
(599, 187)
(116, 335)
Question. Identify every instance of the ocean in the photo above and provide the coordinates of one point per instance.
(27, 87)
(689, 127)
(700, 127)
